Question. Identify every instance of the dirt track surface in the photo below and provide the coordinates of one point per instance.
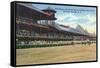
(56, 54)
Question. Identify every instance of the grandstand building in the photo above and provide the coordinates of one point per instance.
(38, 27)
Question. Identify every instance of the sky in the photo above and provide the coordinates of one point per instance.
(73, 15)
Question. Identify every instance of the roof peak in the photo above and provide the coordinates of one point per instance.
(49, 9)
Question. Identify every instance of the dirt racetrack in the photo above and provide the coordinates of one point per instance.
(56, 54)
